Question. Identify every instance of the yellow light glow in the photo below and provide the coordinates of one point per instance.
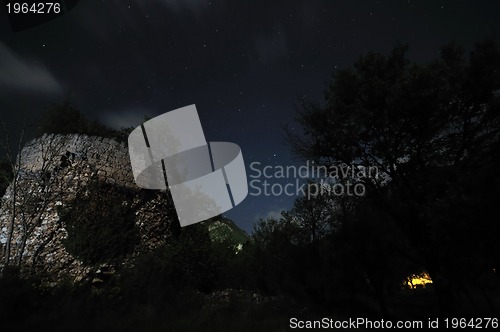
(418, 280)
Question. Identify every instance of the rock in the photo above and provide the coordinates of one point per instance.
(110, 163)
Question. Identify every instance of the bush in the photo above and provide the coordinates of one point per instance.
(65, 119)
(100, 224)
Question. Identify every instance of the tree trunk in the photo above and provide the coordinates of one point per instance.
(10, 230)
(21, 250)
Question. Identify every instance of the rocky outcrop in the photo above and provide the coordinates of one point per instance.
(105, 156)
(53, 169)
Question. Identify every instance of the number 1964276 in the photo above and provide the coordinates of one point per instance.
(33, 8)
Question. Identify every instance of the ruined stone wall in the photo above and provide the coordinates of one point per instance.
(105, 156)
(53, 169)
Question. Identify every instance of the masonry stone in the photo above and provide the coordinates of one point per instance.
(68, 163)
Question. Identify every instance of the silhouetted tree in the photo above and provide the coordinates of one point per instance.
(433, 132)
(64, 118)
(31, 190)
(314, 215)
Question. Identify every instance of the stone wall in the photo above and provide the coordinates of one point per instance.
(105, 156)
(53, 169)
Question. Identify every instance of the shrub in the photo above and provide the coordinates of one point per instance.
(100, 224)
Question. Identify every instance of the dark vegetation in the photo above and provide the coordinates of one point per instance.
(5, 176)
(432, 129)
(100, 224)
(64, 118)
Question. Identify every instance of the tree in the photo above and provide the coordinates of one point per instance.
(31, 189)
(64, 118)
(432, 130)
(13, 163)
(314, 215)
(34, 190)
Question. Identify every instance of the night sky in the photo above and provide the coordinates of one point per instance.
(245, 64)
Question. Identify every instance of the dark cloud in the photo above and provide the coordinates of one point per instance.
(29, 76)
(125, 118)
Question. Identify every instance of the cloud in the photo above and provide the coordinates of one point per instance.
(124, 118)
(19, 74)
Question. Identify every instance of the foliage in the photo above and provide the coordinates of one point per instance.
(433, 131)
(164, 276)
(100, 224)
(232, 255)
(64, 119)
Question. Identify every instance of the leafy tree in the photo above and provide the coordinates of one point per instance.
(164, 275)
(314, 215)
(65, 119)
(433, 131)
(275, 242)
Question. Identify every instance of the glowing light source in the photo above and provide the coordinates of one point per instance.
(417, 280)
